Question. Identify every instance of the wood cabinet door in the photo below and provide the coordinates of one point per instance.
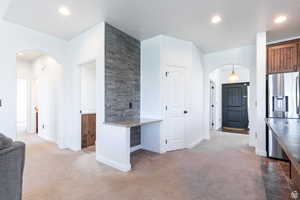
(283, 58)
(88, 130)
(91, 137)
(84, 130)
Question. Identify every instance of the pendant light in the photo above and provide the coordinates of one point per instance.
(233, 77)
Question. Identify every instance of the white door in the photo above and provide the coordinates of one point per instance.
(175, 108)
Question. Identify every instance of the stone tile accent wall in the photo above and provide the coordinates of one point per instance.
(122, 77)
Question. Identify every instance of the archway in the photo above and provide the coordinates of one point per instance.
(39, 96)
(218, 75)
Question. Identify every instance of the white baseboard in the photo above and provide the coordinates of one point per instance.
(251, 142)
(31, 131)
(135, 148)
(195, 143)
(114, 164)
(46, 138)
(261, 152)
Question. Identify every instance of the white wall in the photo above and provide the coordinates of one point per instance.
(242, 72)
(151, 78)
(13, 39)
(243, 56)
(113, 147)
(261, 42)
(158, 53)
(195, 120)
(88, 88)
(220, 76)
(25, 71)
(48, 74)
(87, 47)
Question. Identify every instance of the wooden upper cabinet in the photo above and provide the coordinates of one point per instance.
(283, 57)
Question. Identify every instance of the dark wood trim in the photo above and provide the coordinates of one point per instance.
(88, 114)
(239, 83)
(37, 122)
(284, 42)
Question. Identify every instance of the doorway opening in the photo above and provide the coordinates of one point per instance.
(229, 100)
(39, 96)
(88, 106)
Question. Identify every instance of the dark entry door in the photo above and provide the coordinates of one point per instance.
(235, 105)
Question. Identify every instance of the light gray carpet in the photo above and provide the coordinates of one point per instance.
(222, 141)
(214, 170)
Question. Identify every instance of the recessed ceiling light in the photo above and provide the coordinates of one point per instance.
(280, 19)
(64, 11)
(20, 54)
(216, 19)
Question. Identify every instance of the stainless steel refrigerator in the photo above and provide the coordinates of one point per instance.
(283, 102)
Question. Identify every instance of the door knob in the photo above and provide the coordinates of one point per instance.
(185, 112)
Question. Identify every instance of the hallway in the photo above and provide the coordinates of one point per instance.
(211, 171)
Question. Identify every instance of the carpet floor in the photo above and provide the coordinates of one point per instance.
(224, 168)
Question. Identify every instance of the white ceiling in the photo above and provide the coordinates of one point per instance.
(29, 56)
(189, 20)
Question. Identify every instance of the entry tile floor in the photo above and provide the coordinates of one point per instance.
(224, 168)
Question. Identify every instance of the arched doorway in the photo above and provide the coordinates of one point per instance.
(217, 79)
(39, 96)
(220, 78)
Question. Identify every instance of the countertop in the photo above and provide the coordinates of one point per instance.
(133, 123)
(287, 133)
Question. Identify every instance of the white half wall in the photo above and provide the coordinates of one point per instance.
(115, 147)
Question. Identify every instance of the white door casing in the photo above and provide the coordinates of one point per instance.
(175, 108)
(212, 105)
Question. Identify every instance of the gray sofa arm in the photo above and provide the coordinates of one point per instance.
(12, 161)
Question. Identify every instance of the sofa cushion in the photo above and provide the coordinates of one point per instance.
(5, 142)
